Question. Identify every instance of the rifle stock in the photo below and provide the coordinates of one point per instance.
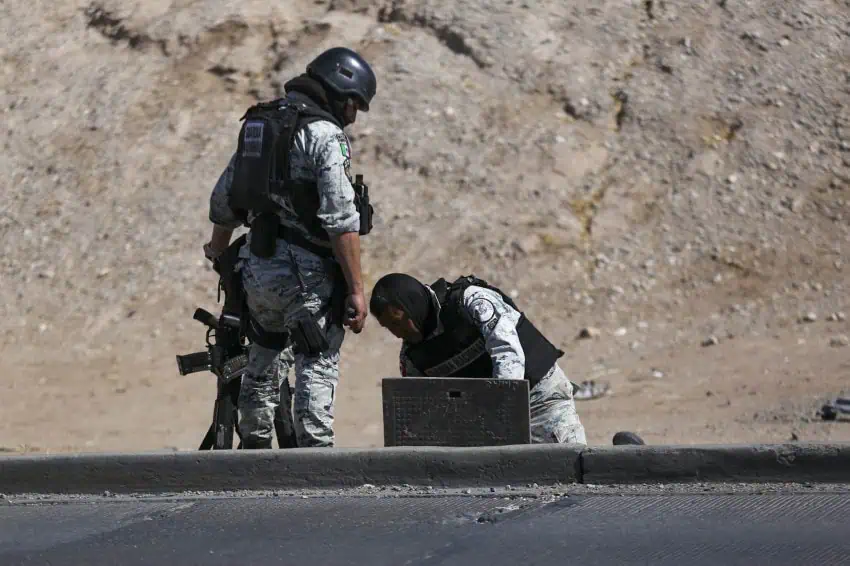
(205, 317)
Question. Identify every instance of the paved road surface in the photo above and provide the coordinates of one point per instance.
(447, 529)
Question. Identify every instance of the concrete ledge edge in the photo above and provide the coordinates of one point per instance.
(162, 472)
(334, 468)
(821, 462)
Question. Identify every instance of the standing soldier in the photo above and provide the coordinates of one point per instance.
(289, 181)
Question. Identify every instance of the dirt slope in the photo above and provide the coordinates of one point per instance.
(666, 171)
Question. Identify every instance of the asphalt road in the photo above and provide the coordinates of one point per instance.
(421, 529)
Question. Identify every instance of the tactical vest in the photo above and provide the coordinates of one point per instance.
(261, 170)
(459, 351)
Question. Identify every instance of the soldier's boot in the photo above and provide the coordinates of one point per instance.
(625, 438)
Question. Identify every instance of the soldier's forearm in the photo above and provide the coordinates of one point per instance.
(220, 238)
(346, 247)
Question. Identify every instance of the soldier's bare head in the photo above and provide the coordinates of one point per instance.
(403, 306)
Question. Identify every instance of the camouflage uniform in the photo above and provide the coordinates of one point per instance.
(553, 413)
(320, 153)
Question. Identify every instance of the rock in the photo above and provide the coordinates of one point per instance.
(710, 341)
(657, 374)
(809, 317)
(620, 331)
(839, 341)
(588, 332)
(526, 245)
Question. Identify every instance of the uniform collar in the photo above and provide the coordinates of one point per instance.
(435, 302)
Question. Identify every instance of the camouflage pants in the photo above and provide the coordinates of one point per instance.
(276, 388)
(273, 295)
(553, 410)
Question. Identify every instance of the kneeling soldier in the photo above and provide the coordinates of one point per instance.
(468, 328)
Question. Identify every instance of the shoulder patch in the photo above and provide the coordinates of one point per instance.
(345, 151)
(253, 138)
(483, 310)
(344, 146)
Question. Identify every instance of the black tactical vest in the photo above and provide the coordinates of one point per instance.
(459, 351)
(261, 167)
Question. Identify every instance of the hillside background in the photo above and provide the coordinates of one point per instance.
(675, 174)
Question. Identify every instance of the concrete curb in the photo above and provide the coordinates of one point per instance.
(422, 466)
(289, 469)
(797, 462)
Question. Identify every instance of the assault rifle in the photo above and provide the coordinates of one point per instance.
(226, 357)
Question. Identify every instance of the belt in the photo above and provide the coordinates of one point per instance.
(296, 238)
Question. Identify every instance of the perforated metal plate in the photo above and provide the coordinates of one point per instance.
(455, 412)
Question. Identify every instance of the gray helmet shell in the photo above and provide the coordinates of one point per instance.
(345, 72)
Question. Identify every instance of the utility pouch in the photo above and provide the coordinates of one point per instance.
(307, 335)
(361, 203)
(264, 234)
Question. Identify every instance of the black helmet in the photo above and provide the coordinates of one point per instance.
(345, 73)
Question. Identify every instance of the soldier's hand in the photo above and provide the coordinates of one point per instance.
(355, 312)
(211, 253)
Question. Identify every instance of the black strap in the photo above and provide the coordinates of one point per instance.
(296, 238)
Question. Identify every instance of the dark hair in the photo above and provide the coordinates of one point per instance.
(378, 303)
(407, 294)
